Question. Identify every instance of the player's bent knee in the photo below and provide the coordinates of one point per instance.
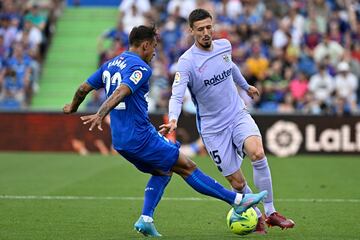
(257, 155)
(237, 183)
(238, 186)
(184, 166)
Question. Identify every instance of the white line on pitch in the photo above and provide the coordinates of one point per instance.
(34, 197)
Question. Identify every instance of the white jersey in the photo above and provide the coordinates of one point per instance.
(210, 77)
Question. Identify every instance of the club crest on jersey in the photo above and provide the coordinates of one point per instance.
(227, 57)
(176, 79)
(136, 76)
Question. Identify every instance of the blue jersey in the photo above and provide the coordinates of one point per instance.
(130, 123)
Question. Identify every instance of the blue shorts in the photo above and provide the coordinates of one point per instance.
(157, 154)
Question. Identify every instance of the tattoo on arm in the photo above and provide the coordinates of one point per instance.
(116, 97)
(79, 96)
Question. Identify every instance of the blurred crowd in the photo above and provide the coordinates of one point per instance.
(26, 27)
(304, 56)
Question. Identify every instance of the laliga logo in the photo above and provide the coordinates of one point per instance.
(284, 138)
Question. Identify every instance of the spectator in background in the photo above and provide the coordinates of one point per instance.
(4, 51)
(346, 85)
(143, 6)
(21, 64)
(119, 42)
(319, 20)
(321, 86)
(329, 48)
(132, 17)
(335, 34)
(280, 36)
(249, 17)
(306, 63)
(287, 105)
(355, 50)
(13, 92)
(257, 65)
(25, 31)
(341, 107)
(9, 29)
(269, 24)
(36, 17)
(181, 8)
(313, 37)
(170, 35)
(114, 33)
(228, 9)
(275, 85)
(299, 87)
(32, 34)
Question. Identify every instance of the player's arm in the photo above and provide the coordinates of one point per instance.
(93, 82)
(176, 100)
(116, 97)
(241, 81)
(78, 98)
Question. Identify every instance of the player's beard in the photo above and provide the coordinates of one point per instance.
(206, 45)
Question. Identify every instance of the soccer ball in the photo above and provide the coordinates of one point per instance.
(242, 224)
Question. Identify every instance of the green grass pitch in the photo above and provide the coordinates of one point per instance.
(65, 196)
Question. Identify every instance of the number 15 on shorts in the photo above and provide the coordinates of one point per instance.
(216, 157)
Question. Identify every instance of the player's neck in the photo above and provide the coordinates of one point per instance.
(137, 51)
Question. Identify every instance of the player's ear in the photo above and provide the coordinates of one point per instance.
(145, 45)
(190, 30)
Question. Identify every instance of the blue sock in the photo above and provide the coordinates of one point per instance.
(208, 186)
(153, 193)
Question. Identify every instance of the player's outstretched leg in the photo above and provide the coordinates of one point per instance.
(248, 200)
(204, 184)
(146, 228)
(153, 193)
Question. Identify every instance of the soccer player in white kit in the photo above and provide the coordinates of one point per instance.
(224, 124)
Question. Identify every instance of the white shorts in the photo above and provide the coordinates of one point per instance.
(226, 147)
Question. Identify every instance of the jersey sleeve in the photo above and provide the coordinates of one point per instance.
(239, 78)
(95, 80)
(181, 80)
(136, 76)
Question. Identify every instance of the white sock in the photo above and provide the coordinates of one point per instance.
(245, 190)
(238, 198)
(147, 218)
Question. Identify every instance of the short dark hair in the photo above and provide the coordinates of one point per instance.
(142, 33)
(197, 15)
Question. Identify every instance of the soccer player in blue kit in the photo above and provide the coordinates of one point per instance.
(223, 122)
(126, 82)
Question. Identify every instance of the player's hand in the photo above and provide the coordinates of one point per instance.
(168, 127)
(67, 109)
(253, 92)
(94, 120)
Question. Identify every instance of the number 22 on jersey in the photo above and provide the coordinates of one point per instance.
(113, 80)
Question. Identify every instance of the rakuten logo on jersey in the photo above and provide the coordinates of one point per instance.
(216, 79)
